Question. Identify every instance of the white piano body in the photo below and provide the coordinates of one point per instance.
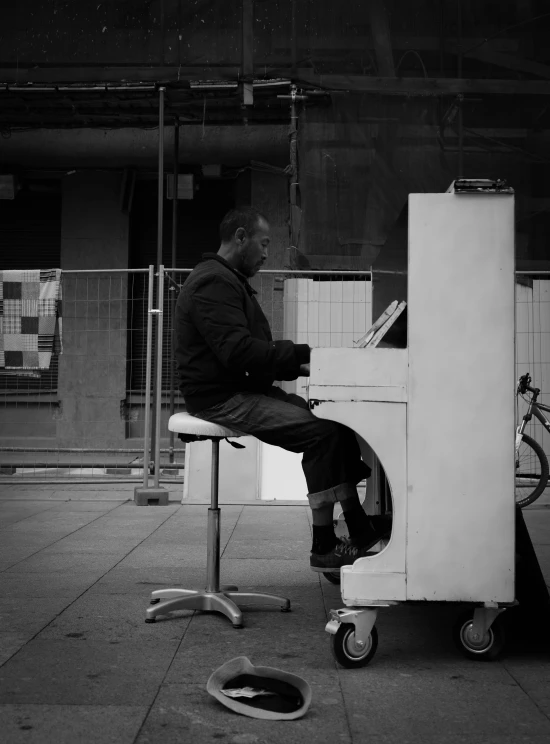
(439, 414)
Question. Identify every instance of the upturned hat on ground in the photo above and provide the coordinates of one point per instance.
(275, 695)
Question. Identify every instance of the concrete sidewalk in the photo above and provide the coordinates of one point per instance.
(79, 664)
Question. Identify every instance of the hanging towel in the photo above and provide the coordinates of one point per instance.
(30, 319)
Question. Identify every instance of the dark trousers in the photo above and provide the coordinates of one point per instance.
(331, 459)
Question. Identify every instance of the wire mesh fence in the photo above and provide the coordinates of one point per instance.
(533, 345)
(83, 418)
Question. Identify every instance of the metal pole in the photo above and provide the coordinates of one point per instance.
(160, 218)
(213, 525)
(172, 289)
(294, 40)
(160, 177)
(460, 118)
(158, 382)
(149, 348)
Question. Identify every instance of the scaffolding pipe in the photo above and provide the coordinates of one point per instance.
(460, 118)
(148, 357)
(97, 480)
(72, 464)
(78, 450)
(160, 217)
(310, 272)
(172, 290)
(158, 384)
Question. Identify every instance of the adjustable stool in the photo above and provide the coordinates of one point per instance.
(214, 598)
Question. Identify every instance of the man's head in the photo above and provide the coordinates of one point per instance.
(244, 235)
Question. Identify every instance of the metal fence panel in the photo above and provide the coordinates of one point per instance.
(533, 345)
(84, 418)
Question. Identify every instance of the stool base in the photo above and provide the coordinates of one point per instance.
(225, 601)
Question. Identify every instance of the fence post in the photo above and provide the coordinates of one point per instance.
(156, 495)
(158, 381)
(148, 357)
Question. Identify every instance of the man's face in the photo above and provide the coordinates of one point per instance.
(253, 248)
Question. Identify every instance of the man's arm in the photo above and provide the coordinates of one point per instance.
(216, 309)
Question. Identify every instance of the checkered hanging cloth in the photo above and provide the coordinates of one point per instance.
(30, 319)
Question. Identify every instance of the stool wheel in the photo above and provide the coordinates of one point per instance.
(285, 609)
(149, 619)
(154, 601)
(238, 627)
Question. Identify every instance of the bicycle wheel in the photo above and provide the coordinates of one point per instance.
(531, 471)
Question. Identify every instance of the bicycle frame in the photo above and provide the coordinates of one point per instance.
(535, 409)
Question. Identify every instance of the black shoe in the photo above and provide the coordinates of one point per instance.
(343, 554)
(379, 528)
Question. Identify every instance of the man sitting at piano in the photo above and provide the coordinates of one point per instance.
(227, 362)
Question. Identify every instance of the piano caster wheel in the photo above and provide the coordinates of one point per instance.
(333, 577)
(154, 601)
(149, 619)
(347, 652)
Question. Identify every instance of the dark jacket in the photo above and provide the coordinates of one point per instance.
(223, 340)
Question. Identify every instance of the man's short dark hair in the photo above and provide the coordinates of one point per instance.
(246, 217)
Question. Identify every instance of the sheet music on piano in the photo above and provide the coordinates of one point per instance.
(379, 329)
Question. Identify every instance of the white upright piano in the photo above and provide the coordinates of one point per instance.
(439, 414)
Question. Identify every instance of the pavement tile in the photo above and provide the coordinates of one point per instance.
(187, 713)
(68, 724)
(129, 509)
(434, 705)
(88, 505)
(93, 545)
(210, 641)
(268, 572)
(270, 519)
(113, 618)
(160, 556)
(30, 493)
(47, 561)
(532, 674)
(35, 541)
(165, 541)
(52, 519)
(141, 581)
(28, 615)
(6, 489)
(58, 584)
(268, 548)
(12, 555)
(186, 510)
(124, 579)
(73, 672)
(10, 643)
(12, 512)
(450, 736)
(194, 526)
(116, 488)
(99, 494)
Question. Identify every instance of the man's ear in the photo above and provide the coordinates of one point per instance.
(240, 235)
